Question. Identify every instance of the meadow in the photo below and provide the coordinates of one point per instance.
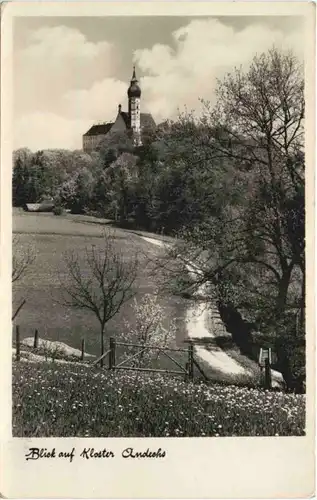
(62, 401)
(50, 237)
(54, 399)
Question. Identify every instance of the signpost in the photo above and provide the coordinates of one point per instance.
(265, 360)
(265, 353)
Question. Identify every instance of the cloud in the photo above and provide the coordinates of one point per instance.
(60, 42)
(99, 102)
(81, 108)
(49, 131)
(64, 82)
(202, 51)
(56, 60)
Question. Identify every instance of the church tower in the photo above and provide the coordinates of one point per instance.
(134, 95)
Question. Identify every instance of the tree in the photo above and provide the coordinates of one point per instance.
(248, 241)
(22, 160)
(101, 282)
(103, 195)
(148, 329)
(46, 173)
(256, 128)
(113, 145)
(262, 112)
(22, 258)
(122, 175)
(76, 191)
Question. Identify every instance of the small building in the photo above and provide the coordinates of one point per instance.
(132, 121)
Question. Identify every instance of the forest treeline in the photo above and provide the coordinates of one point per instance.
(228, 183)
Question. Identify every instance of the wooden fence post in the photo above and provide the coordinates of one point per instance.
(187, 371)
(82, 357)
(112, 354)
(36, 339)
(267, 374)
(17, 342)
(190, 361)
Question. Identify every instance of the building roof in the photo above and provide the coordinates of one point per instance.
(147, 120)
(126, 118)
(101, 129)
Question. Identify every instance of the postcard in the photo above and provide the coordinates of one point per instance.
(157, 249)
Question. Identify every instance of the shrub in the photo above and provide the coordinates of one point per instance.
(58, 210)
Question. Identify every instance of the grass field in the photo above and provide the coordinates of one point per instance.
(51, 236)
(56, 401)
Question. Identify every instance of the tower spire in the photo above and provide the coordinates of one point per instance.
(134, 95)
(134, 89)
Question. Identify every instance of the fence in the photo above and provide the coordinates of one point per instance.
(36, 344)
(187, 371)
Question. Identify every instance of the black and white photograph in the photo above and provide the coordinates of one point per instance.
(157, 196)
(158, 249)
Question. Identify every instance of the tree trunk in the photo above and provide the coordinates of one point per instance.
(302, 305)
(102, 346)
(283, 290)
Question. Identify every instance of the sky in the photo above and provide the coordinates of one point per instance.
(71, 72)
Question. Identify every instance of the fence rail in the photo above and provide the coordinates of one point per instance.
(174, 372)
(187, 371)
(151, 347)
(94, 363)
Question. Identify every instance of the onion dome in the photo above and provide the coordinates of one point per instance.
(134, 89)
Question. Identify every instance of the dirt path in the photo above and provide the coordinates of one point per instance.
(197, 318)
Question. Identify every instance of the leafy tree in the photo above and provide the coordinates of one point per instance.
(122, 175)
(248, 238)
(262, 113)
(22, 160)
(46, 173)
(114, 144)
(76, 192)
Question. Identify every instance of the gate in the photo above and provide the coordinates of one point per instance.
(187, 371)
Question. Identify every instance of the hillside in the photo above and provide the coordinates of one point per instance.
(51, 237)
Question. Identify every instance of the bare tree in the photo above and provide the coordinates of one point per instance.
(101, 282)
(23, 256)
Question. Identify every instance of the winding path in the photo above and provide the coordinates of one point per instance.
(197, 318)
